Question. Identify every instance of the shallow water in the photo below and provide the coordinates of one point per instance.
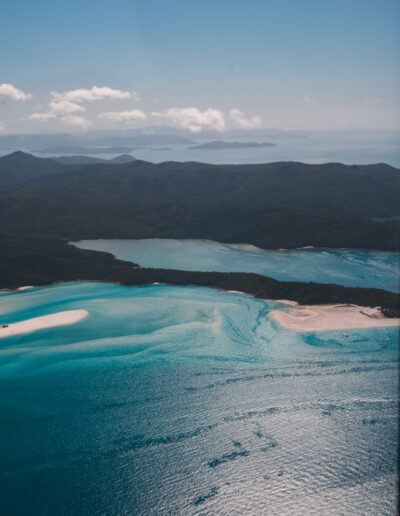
(170, 400)
(344, 267)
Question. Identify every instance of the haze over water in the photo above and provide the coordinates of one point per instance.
(348, 147)
(186, 400)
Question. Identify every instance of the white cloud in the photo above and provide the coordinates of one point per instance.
(12, 93)
(3, 127)
(42, 117)
(125, 117)
(77, 121)
(247, 123)
(95, 93)
(64, 107)
(63, 110)
(193, 119)
(64, 116)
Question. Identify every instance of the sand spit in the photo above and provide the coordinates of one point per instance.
(331, 317)
(45, 321)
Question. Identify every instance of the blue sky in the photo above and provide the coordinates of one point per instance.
(305, 64)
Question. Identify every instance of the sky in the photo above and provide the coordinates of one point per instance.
(199, 65)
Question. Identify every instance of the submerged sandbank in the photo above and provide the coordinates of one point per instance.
(44, 321)
(331, 317)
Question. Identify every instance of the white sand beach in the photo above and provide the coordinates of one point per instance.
(331, 317)
(45, 321)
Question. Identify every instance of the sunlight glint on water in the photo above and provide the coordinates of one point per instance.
(173, 400)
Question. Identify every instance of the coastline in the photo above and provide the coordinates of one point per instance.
(383, 303)
(45, 321)
(305, 318)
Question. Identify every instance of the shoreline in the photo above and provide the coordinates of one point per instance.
(293, 294)
(44, 321)
(310, 318)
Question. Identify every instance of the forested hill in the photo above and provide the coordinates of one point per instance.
(18, 167)
(365, 190)
(270, 205)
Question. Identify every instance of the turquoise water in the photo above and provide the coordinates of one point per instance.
(183, 401)
(344, 267)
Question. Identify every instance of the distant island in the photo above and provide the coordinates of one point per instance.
(84, 150)
(219, 144)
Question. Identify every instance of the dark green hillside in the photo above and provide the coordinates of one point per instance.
(19, 167)
(370, 190)
(365, 190)
(82, 217)
(272, 206)
(87, 160)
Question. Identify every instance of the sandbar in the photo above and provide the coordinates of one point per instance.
(331, 317)
(44, 321)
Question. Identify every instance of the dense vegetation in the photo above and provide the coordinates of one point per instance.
(272, 206)
(43, 204)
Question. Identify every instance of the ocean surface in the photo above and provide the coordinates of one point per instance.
(192, 401)
(344, 267)
(348, 147)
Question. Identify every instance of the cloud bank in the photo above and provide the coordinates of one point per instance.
(65, 111)
(42, 117)
(10, 92)
(94, 93)
(124, 117)
(242, 121)
(193, 119)
(77, 121)
(64, 107)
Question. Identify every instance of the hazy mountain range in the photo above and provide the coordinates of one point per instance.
(87, 160)
(166, 135)
(49, 142)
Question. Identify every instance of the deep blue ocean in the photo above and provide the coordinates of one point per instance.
(184, 401)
